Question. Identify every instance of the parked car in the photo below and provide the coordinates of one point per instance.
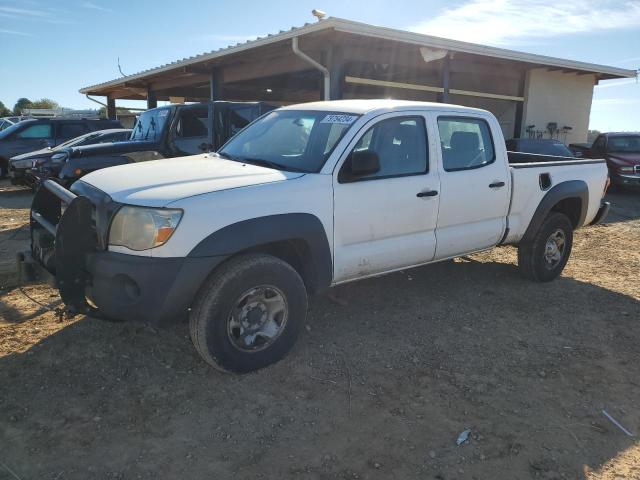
(621, 150)
(539, 146)
(33, 134)
(30, 168)
(164, 132)
(306, 197)
(6, 122)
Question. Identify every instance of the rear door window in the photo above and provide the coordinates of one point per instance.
(466, 143)
(42, 130)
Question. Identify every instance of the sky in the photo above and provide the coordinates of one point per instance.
(53, 48)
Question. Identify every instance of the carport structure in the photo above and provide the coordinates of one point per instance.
(336, 58)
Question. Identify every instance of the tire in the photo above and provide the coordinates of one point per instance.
(240, 298)
(535, 261)
(4, 168)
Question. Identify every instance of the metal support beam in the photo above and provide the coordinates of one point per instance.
(152, 100)
(214, 85)
(336, 72)
(445, 73)
(111, 108)
(517, 128)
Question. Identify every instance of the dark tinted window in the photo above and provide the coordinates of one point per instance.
(41, 130)
(401, 146)
(626, 144)
(466, 143)
(71, 130)
(540, 147)
(240, 117)
(192, 122)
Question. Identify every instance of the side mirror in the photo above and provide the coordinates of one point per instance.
(364, 162)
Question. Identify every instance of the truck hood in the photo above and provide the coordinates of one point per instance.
(158, 183)
(42, 153)
(112, 148)
(624, 158)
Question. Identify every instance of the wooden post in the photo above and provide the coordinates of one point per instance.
(214, 85)
(111, 108)
(152, 101)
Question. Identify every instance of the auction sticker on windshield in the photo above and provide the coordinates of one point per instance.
(341, 119)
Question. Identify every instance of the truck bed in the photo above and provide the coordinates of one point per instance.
(533, 175)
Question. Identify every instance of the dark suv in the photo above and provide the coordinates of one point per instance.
(34, 134)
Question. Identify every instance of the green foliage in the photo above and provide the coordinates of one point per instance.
(20, 105)
(45, 103)
(4, 111)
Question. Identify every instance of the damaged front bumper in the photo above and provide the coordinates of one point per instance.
(69, 247)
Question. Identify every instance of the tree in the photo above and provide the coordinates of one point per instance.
(44, 103)
(4, 111)
(20, 105)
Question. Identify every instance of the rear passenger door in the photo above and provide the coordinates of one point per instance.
(386, 220)
(474, 184)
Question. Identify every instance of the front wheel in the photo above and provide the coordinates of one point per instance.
(544, 258)
(249, 313)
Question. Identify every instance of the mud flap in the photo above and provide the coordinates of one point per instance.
(75, 239)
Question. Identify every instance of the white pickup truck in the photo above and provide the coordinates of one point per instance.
(306, 197)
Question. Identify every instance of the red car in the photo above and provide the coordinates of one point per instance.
(622, 152)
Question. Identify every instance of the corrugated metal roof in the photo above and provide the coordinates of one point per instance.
(358, 28)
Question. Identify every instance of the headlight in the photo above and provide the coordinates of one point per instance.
(140, 228)
(22, 163)
(58, 157)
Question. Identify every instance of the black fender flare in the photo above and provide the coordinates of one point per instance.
(255, 232)
(562, 191)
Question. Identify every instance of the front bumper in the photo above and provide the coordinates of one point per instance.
(146, 289)
(625, 180)
(70, 244)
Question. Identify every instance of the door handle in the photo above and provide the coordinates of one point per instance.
(427, 193)
(497, 185)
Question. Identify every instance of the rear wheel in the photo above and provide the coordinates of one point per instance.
(249, 313)
(544, 258)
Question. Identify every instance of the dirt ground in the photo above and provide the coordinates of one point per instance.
(386, 375)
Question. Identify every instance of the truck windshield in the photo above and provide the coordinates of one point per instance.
(625, 144)
(296, 140)
(150, 125)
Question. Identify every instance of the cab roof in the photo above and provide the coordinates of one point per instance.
(362, 107)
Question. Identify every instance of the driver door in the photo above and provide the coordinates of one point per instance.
(192, 130)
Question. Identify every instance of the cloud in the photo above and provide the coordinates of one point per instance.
(503, 22)
(22, 12)
(37, 14)
(93, 6)
(15, 32)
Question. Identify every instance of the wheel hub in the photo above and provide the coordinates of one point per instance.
(258, 318)
(554, 249)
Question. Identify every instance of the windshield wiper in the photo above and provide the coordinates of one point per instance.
(260, 162)
(270, 164)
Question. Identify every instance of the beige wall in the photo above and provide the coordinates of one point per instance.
(564, 98)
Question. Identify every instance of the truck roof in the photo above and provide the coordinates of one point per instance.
(366, 106)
